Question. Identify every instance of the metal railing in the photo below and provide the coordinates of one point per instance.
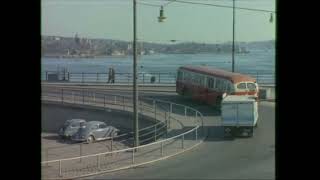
(144, 78)
(177, 128)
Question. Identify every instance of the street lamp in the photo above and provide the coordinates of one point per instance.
(135, 78)
(233, 26)
(161, 17)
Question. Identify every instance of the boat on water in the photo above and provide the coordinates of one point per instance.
(242, 50)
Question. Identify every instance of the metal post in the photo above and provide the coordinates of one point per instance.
(196, 134)
(82, 78)
(111, 145)
(73, 97)
(182, 142)
(202, 127)
(128, 78)
(166, 126)
(161, 148)
(233, 26)
(60, 172)
(62, 96)
(143, 78)
(115, 99)
(141, 111)
(80, 152)
(135, 78)
(98, 162)
(170, 115)
(123, 102)
(185, 112)
(133, 155)
(155, 112)
(46, 75)
(47, 155)
(196, 116)
(155, 133)
(82, 96)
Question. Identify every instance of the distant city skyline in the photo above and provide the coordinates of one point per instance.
(112, 19)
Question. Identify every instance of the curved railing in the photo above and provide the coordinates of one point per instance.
(126, 78)
(176, 128)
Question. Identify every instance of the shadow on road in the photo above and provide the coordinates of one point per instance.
(214, 133)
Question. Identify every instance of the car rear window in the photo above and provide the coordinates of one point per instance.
(102, 126)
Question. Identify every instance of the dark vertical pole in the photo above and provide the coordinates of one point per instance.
(46, 75)
(135, 88)
(143, 78)
(233, 24)
(82, 77)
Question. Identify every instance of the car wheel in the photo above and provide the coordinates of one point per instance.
(90, 139)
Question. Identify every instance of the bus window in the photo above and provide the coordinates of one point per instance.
(201, 79)
(251, 86)
(219, 85)
(209, 82)
(187, 76)
(228, 88)
(179, 75)
(241, 86)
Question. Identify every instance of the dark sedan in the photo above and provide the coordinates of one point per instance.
(70, 127)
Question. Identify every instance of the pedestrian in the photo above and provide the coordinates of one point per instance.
(109, 75)
(113, 74)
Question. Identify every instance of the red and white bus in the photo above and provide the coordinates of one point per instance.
(209, 85)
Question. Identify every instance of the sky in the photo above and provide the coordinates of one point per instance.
(113, 19)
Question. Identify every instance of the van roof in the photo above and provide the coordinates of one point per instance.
(234, 77)
(237, 98)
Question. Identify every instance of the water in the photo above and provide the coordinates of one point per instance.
(258, 61)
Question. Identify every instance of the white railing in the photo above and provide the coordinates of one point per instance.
(187, 122)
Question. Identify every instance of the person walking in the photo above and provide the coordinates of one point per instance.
(109, 75)
(113, 75)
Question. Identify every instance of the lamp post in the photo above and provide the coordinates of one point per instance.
(233, 24)
(135, 77)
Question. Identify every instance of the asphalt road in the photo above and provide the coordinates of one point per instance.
(216, 158)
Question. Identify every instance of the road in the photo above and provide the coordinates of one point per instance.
(216, 158)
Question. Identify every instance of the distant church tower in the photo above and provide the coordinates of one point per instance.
(77, 39)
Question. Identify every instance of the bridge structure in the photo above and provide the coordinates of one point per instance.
(257, 152)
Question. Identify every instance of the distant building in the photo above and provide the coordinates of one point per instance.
(77, 39)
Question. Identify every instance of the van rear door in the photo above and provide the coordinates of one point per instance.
(245, 114)
(229, 114)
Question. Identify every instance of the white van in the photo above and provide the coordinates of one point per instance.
(239, 115)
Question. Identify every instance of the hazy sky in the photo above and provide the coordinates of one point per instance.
(113, 19)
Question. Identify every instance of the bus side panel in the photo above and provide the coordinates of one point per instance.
(212, 97)
(203, 92)
(179, 87)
